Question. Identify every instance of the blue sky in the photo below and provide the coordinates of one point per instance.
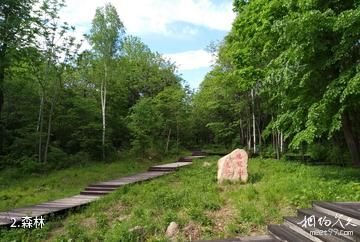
(179, 29)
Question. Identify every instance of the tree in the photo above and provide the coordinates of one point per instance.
(58, 49)
(156, 121)
(297, 61)
(105, 38)
(321, 70)
(15, 33)
(147, 73)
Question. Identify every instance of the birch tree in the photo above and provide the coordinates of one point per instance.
(105, 37)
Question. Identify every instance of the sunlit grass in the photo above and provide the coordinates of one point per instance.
(203, 209)
(18, 189)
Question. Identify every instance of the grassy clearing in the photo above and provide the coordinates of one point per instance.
(203, 209)
(18, 190)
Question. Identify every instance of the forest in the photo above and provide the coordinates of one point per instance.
(286, 80)
(86, 123)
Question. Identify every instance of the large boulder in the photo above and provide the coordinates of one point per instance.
(233, 166)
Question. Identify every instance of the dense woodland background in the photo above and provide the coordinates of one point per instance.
(286, 80)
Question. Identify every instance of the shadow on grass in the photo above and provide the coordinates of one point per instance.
(340, 174)
(255, 177)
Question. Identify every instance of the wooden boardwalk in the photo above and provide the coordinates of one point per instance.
(43, 209)
(91, 193)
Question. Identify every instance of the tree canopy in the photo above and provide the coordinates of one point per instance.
(286, 80)
(294, 66)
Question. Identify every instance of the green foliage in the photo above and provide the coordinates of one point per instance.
(292, 67)
(106, 31)
(161, 116)
(52, 111)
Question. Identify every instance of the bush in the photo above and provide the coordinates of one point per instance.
(317, 151)
(336, 154)
(57, 158)
(329, 153)
(79, 158)
(29, 165)
(267, 151)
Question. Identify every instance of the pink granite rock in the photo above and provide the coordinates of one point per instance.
(233, 166)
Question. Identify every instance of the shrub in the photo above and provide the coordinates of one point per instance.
(317, 151)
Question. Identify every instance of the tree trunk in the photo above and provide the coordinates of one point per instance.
(2, 128)
(168, 141)
(249, 136)
(281, 142)
(52, 107)
(350, 140)
(41, 115)
(2, 78)
(49, 128)
(273, 137)
(103, 111)
(177, 135)
(277, 145)
(253, 119)
(259, 136)
(303, 152)
(273, 141)
(241, 133)
(40, 126)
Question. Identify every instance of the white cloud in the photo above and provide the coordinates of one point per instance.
(190, 60)
(155, 16)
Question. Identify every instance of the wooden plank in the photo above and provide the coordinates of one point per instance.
(35, 213)
(4, 221)
(155, 168)
(263, 238)
(10, 214)
(221, 240)
(100, 189)
(172, 165)
(284, 233)
(95, 193)
(72, 199)
(50, 205)
(110, 184)
(32, 209)
(349, 205)
(53, 209)
(66, 203)
(195, 157)
(9, 217)
(356, 204)
(86, 197)
(69, 203)
(340, 209)
(130, 179)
